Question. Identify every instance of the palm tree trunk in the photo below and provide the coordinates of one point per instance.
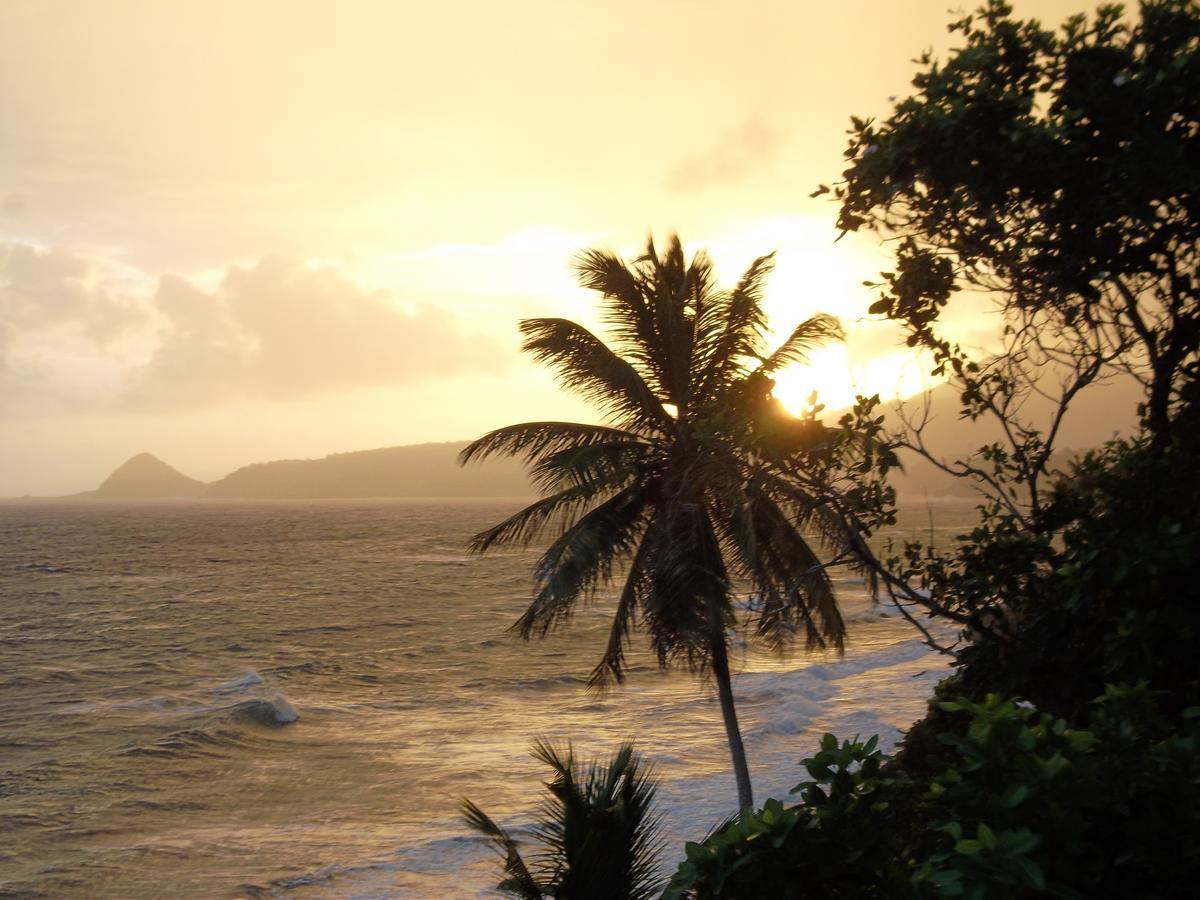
(741, 771)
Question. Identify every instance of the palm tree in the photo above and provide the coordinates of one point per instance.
(598, 836)
(684, 486)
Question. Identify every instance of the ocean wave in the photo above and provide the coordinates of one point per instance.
(271, 709)
(527, 684)
(190, 742)
(900, 651)
(250, 679)
(154, 704)
(792, 716)
(801, 696)
(213, 730)
(875, 613)
(139, 804)
(309, 667)
(49, 568)
(272, 712)
(421, 869)
(318, 629)
(48, 677)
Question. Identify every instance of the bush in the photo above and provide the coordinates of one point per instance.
(834, 844)
(1119, 600)
(1023, 805)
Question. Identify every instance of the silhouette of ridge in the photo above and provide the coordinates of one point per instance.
(432, 470)
(414, 470)
(146, 477)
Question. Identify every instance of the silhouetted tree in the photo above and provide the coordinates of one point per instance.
(1054, 176)
(1056, 172)
(684, 486)
(597, 832)
(1059, 171)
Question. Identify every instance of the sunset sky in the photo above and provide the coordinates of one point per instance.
(232, 232)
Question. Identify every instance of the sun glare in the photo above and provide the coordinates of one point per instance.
(814, 273)
(827, 373)
(837, 380)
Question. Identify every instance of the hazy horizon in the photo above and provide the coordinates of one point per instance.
(1096, 416)
(234, 234)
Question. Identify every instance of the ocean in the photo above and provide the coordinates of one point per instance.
(260, 699)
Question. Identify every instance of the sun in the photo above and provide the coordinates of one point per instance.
(815, 273)
(827, 373)
(837, 377)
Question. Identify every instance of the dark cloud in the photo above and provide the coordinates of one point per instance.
(732, 157)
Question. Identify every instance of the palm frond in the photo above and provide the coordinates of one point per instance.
(651, 309)
(731, 334)
(626, 309)
(746, 320)
(607, 463)
(598, 828)
(674, 285)
(533, 440)
(587, 366)
(793, 587)
(519, 883)
(813, 332)
(526, 525)
(804, 501)
(689, 607)
(582, 557)
(611, 667)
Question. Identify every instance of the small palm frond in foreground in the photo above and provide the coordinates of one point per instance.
(597, 833)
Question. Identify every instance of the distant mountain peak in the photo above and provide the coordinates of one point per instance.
(145, 476)
(144, 459)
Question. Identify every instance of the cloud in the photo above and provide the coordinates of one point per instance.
(61, 314)
(732, 157)
(281, 330)
(45, 288)
(75, 330)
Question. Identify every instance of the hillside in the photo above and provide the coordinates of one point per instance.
(1095, 416)
(146, 477)
(419, 470)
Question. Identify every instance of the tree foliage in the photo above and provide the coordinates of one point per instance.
(1049, 178)
(597, 833)
(1064, 762)
(1059, 170)
(1019, 803)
